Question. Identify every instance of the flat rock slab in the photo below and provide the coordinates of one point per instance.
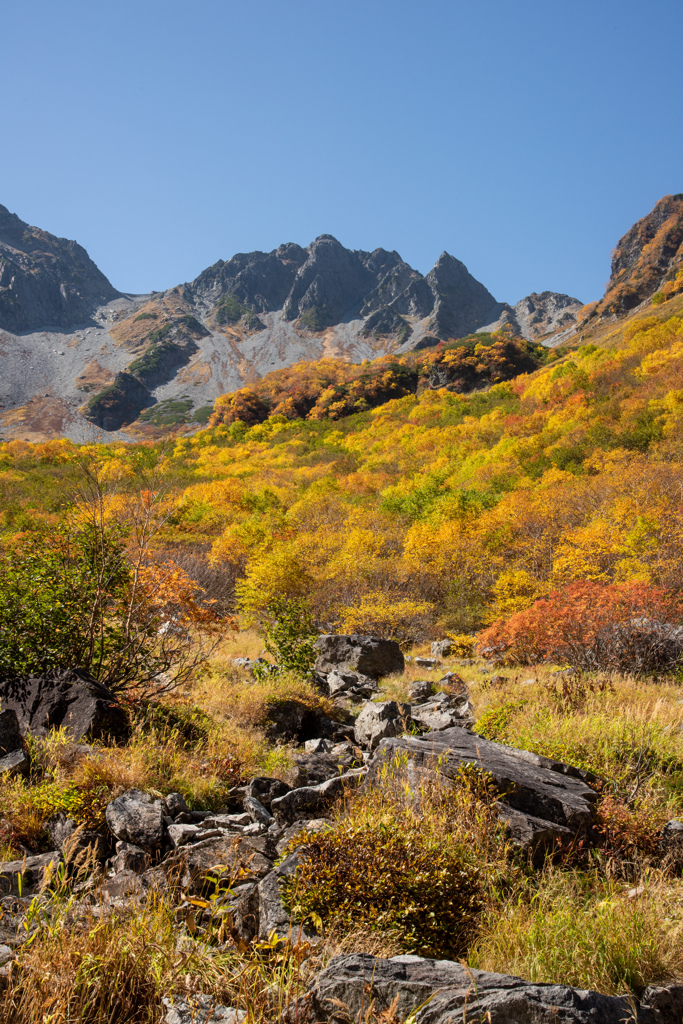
(444, 992)
(527, 783)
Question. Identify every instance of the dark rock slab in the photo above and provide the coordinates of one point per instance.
(311, 801)
(444, 992)
(366, 655)
(25, 877)
(68, 699)
(526, 786)
(274, 918)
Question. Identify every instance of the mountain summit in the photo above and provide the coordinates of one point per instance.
(45, 281)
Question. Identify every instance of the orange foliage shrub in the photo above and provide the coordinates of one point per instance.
(627, 627)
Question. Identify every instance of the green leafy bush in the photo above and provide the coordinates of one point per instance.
(291, 635)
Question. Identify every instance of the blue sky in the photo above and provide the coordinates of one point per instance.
(523, 137)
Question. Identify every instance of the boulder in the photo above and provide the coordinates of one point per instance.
(420, 690)
(290, 719)
(273, 917)
(312, 769)
(265, 789)
(243, 908)
(443, 992)
(310, 825)
(443, 711)
(26, 877)
(71, 700)
(529, 783)
(671, 844)
(175, 804)
(533, 836)
(367, 655)
(64, 833)
(16, 763)
(311, 801)
(352, 685)
(200, 1009)
(129, 858)
(442, 648)
(180, 835)
(426, 662)
(135, 818)
(257, 812)
(219, 861)
(379, 720)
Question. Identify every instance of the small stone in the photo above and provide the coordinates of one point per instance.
(319, 746)
(426, 662)
(182, 834)
(134, 818)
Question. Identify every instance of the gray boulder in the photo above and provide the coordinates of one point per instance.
(380, 720)
(220, 861)
(135, 818)
(441, 648)
(420, 690)
(200, 1009)
(443, 711)
(175, 804)
(310, 825)
(10, 734)
(314, 768)
(273, 917)
(422, 662)
(311, 801)
(79, 842)
(443, 992)
(71, 700)
(129, 858)
(257, 812)
(16, 763)
(352, 685)
(528, 783)
(367, 655)
(265, 789)
(26, 877)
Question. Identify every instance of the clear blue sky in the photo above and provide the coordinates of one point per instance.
(524, 137)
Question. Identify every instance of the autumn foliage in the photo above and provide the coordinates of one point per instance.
(627, 627)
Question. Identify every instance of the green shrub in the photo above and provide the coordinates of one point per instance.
(291, 635)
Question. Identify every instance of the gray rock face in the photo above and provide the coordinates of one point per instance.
(443, 992)
(25, 877)
(367, 655)
(45, 280)
(311, 801)
(380, 720)
(129, 858)
(273, 917)
(535, 315)
(443, 711)
(529, 784)
(200, 1009)
(442, 648)
(420, 690)
(71, 700)
(265, 790)
(135, 818)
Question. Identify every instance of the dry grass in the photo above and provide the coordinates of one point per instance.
(583, 930)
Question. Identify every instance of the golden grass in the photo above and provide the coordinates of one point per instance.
(581, 929)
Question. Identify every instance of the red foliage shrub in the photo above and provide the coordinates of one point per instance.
(628, 627)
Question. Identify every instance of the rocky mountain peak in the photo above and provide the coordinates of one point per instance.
(45, 280)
